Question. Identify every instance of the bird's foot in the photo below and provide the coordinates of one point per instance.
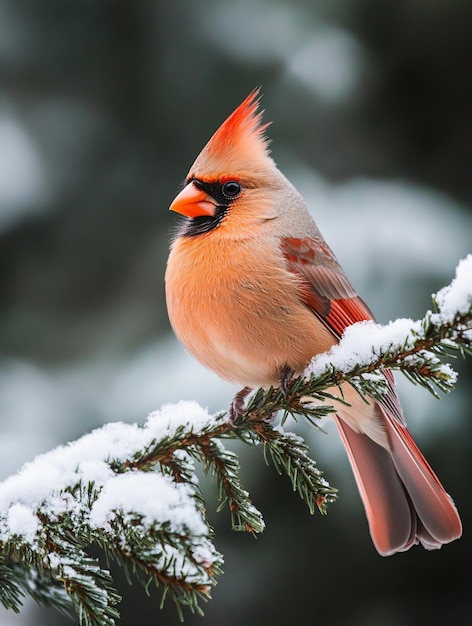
(237, 405)
(285, 379)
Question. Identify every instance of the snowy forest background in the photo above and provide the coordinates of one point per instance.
(103, 106)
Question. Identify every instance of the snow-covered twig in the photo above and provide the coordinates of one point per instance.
(411, 346)
(80, 494)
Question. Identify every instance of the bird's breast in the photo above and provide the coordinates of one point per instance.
(238, 310)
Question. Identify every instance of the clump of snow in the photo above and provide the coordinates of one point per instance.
(150, 496)
(456, 297)
(448, 373)
(48, 485)
(361, 344)
(22, 521)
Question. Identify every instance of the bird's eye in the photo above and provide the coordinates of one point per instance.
(231, 189)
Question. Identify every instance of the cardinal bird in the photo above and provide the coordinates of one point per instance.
(254, 292)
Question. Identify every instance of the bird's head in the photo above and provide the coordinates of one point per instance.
(233, 171)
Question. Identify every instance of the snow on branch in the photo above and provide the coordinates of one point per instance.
(91, 492)
(133, 490)
(414, 347)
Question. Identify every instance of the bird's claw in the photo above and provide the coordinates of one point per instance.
(285, 379)
(237, 405)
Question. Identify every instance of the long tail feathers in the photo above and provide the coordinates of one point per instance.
(403, 498)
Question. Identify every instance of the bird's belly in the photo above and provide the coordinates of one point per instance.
(245, 354)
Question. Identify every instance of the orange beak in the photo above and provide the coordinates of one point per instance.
(193, 202)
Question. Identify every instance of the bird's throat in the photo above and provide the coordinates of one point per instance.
(193, 226)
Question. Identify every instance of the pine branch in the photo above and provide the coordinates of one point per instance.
(133, 490)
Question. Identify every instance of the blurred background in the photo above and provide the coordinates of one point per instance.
(103, 107)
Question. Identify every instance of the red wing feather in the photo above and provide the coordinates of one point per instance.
(345, 312)
(327, 290)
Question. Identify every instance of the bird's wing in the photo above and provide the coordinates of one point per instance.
(327, 289)
(329, 294)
